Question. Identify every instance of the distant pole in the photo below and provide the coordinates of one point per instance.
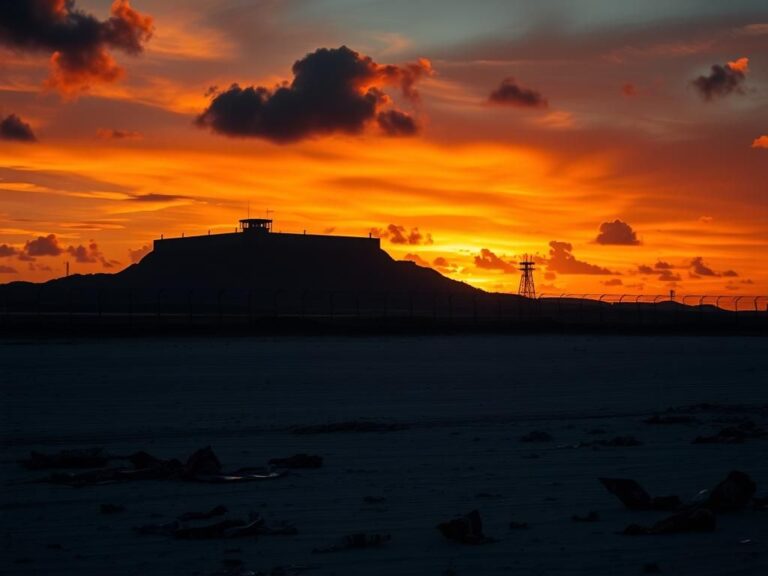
(526, 287)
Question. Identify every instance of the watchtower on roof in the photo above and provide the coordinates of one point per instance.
(256, 225)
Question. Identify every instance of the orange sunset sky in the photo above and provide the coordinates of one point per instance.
(624, 144)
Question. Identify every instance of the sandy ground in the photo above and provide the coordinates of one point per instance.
(465, 402)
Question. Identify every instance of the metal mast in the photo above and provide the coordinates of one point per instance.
(527, 288)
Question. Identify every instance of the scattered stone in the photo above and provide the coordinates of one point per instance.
(202, 462)
(298, 461)
(634, 497)
(732, 494)
(694, 520)
(111, 508)
(207, 515)
(593, 516)
(536, 436)
(467, 529)
(85, 458)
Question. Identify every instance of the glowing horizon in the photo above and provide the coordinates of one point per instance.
(625, 157)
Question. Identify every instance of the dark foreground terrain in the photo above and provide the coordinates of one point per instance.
(411, 431)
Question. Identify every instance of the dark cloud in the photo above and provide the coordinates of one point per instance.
(698, 268)
(396, 123)
(661, 265)
(114, 134)
(730, 274)
(139, 253)
(8, 270)
(43, 246)
(7, 251)
(79, 43)
(416, 259)
(669, 276)
(612, 282)
(333, 90)
(510, 93)
(14, 128)
(90, 254)
(562, 261)
(490, 261)
(617, 233)
(722, 80)
(629, 89)
(643, 269)
(400, 235)
(444, 265)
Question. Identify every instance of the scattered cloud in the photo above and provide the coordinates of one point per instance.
(443, 265)
(415, 258)
(510, 93)
(760, 142)
(562, 261)
(8, 270)
(7, 251)
(617, 233)
(79, 44)
(723, 80)
(43, 246)
(612, 282)
(490, 261)
(699, 269)
(114, 134)
(14, 128)
(396, 123)
(139, 253)
(333, 90)
(400, 235)
(90, 254)
(667, 275)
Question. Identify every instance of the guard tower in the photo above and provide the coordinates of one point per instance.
(256, 226)
(527, 288)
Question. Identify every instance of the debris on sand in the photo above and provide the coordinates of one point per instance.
(111, 508)
(737, 434)
(634, 497)
(518, 525)
(82, 458)
(207, 515)
(357, 541)
(536, 436)
(298, 461)
(593, 516)
(349, 426)
(668, 419)
(732, 494)
(694, 520)
(374, 499)
(202, 466)
(223, 529)
(651, 568)
(466, 529)
(202, 462)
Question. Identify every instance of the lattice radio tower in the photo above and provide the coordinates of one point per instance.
(527, 288)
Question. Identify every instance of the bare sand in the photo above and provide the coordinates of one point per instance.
(463, 403)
